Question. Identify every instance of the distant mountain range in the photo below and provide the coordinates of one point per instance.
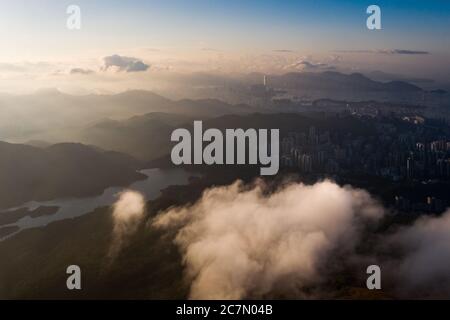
(386, 77)
(54, 116)
(63, 170)
(336, 81)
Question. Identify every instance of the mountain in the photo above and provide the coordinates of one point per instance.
(439, 91)
(386, 76)
(53, 116)
(64, 170)
(144, 137)
(336, 81)
(147, 137)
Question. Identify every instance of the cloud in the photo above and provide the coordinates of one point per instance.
(210, 49)
(399, 51)
(335, 58)
(425, 263)
(28, 67)
(81, 71)
(127, 214)
(248, 242)
(305, 65)
(254, 241)
(283, 50)
(152, 49)
(385, 51)
(127, 64)
(10, 67)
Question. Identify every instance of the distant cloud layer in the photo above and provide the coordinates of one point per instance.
(127, 64)
(283, 50)
(385, 51)
(398, 51)
(305, 65)
(10, 67)
(81, 71)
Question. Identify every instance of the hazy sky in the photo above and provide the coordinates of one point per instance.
(268, 36)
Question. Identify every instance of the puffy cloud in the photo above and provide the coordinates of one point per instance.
(242, 241)
(425, 263)
(239, 242)
(122, 63)
(127, 214)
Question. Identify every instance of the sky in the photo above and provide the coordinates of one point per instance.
(223, 36)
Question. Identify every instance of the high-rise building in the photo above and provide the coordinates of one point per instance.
(410, 168)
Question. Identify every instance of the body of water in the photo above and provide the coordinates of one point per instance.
(157, 179)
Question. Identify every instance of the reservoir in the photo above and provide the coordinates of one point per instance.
(69, 208)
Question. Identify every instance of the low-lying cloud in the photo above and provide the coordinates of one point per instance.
(239, 243)
(243, 241)
(127, 214)
(425, 266)
(122, 63)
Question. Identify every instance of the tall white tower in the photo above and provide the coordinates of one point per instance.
(265, 81)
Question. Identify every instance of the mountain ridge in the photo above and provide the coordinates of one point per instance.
(61, 170)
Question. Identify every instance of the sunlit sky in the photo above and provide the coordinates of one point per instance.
(201, 35)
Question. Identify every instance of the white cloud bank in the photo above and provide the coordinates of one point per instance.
(424, 268)
(243, 243)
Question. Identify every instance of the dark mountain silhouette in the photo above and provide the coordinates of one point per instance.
(386, 76)
(439, 91)
(144, 137)
(64, 170)
(147, 137)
